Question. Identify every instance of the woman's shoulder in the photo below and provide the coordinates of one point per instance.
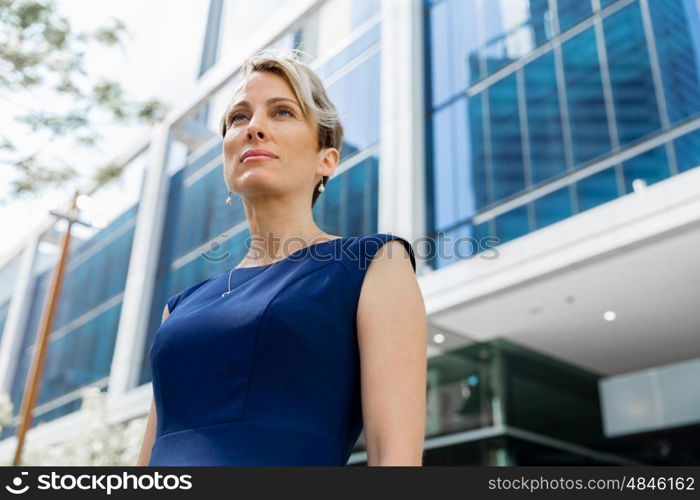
(174, 300)
(362, 249)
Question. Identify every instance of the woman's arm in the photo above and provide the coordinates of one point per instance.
(149, 434)
(148, 438)
(392, 333)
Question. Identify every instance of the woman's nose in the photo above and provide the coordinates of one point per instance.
(259, 133)
(256, 126)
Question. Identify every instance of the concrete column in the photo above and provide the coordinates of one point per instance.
(143, 263)
(402, 164)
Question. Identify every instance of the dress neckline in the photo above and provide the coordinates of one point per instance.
(288, 256)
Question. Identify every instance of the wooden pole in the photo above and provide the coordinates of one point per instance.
(33, 384)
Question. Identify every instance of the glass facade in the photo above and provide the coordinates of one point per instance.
(84, 331)
(522, 93)
(497, 384)
(8, 277)
(513, 406)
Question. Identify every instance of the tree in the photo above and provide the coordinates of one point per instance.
(40, 51)
(96, 443)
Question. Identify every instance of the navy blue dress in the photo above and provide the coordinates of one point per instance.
(270, 373)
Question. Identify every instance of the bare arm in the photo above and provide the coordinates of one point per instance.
(392, 335)
(149, 434)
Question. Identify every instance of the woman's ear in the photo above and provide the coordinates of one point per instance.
(329, 161)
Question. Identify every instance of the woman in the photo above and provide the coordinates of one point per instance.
(283, 359)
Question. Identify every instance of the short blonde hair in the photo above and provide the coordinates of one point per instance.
(308, 89)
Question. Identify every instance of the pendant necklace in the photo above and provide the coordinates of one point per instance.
(270, 266)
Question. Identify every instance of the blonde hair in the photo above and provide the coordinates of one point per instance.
(308, 89)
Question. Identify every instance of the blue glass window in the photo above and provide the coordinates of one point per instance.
(199, 202)
(677, 35)
(651, 167)
(455, 245)
(512, 224)
(356, 95)
(332, 216)
(597, 189)
(74, 359)
(481, 179)
(477, 153)
(553, 207)
(512, 29)
(362, 43)
(544, 119)
(458, 188)
(632, 85)
(461, 243)
(357, 179)
(506, 145)
(572, 12)
(354, 212)
(201, 159)
(453, 49)
(99, 266)
(590, 136)
(687, 148)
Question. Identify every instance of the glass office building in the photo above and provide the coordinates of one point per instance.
(528, 113)
(85, 324)
(539, 110)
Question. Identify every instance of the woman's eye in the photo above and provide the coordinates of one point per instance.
(291, 113)
(233, 118)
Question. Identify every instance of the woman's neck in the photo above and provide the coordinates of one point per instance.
(273, 247)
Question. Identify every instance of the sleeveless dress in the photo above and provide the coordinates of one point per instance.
(270, 373)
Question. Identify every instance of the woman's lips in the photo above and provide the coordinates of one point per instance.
(258, 158)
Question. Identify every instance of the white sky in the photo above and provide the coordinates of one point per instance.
(161, 59)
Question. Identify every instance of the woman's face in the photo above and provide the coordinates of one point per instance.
(267, 116)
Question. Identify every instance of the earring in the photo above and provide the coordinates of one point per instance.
(229, 200)
(321, 187)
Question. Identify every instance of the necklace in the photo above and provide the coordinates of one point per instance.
(230, 273)
(269, 266)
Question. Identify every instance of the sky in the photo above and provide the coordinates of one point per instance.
(160, 59)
